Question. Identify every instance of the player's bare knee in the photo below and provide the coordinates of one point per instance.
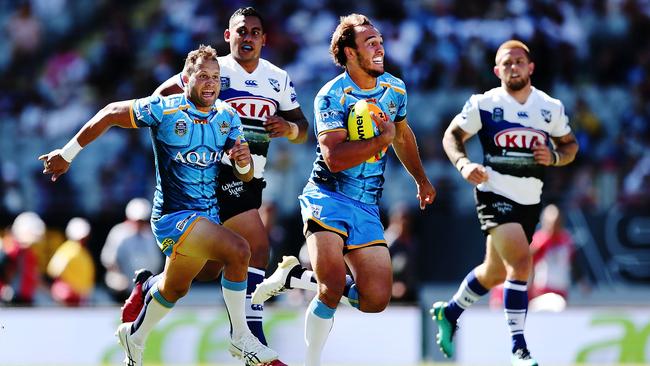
(374, 304)
(240, 252)
(330, 293)
(175, 292)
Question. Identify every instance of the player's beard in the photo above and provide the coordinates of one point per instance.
(517, 85)
(198, 99)
(366, 65)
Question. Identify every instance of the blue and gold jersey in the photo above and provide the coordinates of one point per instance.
(363, 182)
(187, 145)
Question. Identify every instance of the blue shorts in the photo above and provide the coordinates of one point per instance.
(358, 223)
(170, 230)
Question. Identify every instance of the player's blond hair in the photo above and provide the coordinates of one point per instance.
(202, 53)
(508, 45)
(344, 36)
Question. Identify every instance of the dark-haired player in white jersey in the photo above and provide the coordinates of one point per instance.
(522, 131)
(263, 96)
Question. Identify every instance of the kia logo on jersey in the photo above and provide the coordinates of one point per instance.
(519, 138)
(252, 107)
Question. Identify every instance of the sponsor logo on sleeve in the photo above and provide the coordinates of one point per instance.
(225, 83)
(275, 85)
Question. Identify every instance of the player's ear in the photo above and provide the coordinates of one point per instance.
(349, 52)
(186, 78)
(263, 39)
(497, 72)
(226, 35)
(531, 68)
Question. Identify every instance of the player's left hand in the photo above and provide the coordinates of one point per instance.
(542, 154)
(277, 126)
(426, 194)
(240, 153)
(53, 163)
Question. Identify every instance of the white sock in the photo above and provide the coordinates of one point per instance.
(155, 308)
(234, 295)
(319, 320)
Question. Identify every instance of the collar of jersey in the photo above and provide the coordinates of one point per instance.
(349, 78)
(192, 110)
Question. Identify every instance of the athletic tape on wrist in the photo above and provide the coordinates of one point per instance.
(244, 169)
(556, 157)
(70, 150)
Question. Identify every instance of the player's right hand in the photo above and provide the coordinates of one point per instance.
(53, 163)
(474, 173)
(385, 126)
(240, 153)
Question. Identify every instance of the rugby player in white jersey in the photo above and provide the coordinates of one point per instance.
(265, 100)
(522, 131)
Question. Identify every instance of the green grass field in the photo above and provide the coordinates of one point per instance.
(421, 364)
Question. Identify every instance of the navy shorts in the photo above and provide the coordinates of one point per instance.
(494, 210)
(235, 196)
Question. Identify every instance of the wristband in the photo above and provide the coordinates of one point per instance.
(244, 169)
(70, 150)
(294, 131)
(556, 158)
(460, 163)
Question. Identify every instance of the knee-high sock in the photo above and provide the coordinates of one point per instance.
(234, 295)
(319, 319)
(155, 308)
(515, 304)
(255, 312)
(148, 284)
(468, 293)
(305, 279)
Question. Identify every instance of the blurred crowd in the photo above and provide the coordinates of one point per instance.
(62, 60)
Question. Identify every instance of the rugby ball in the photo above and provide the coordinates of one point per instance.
(362, 127)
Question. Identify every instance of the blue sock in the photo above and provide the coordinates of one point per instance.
(350, 291)
(321, 310)
(468, 293)
(255, 312)
(515, 303)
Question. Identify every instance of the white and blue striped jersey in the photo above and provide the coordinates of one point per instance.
(332, 105)
(187, 144)
(508, 130)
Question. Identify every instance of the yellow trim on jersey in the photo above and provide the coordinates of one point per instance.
(332, 130)
(174, 110)
(131, 116)
(330, 228)
(399, 90)
(359, 246)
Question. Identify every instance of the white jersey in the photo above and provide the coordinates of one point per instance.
(508, 130)
(255, 96)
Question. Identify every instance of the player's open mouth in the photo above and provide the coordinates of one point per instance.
(247, 47)
(207, 94)
(378, 60)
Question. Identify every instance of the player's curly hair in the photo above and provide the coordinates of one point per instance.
(344, 36)
(248, 11)
(203, 52)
